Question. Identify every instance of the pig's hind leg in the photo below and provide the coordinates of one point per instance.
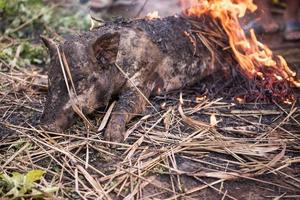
(132, 101)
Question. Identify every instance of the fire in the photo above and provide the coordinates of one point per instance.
(257, 61)
(153, 15)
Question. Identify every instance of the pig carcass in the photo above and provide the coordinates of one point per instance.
(131, 60)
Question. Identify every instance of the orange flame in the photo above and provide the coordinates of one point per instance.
(256, 60)
(153, 15)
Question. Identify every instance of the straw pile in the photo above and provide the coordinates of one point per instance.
(199, 144)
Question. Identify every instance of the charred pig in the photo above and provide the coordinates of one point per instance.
(131, 60)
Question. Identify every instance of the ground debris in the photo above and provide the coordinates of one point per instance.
(248, 148)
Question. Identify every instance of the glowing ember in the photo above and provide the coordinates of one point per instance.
(257, 62)
(201, 99)
(240, 100)
(153, 15)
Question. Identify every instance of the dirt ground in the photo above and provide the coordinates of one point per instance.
(201, 144)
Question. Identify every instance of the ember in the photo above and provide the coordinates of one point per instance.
(270, 73)
(153, 15)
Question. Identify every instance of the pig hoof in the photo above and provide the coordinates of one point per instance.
(115, 132)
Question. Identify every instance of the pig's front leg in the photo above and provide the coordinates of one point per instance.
(130, 103)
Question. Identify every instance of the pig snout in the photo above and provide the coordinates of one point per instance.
(58, 122)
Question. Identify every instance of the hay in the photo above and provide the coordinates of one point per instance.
(191, 144)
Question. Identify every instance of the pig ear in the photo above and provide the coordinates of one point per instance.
(105, 48)
(50, 44)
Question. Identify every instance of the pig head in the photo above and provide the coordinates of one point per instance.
(93, 62)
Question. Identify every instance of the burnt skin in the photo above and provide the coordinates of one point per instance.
(131, 60)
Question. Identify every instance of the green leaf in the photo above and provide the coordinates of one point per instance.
(17, 179)
(15, 192)
(50, 189)
(2, 4)
(6, 179)
(34, 2)
(18, 184)
(33, 176)
(35, 193)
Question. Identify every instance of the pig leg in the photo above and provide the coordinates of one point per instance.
(130, 103)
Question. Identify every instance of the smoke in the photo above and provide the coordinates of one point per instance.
(163, 7)
(136, 8)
